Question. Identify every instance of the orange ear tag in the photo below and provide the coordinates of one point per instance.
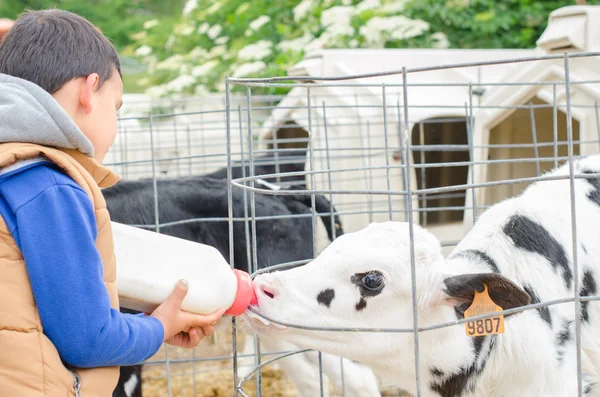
(483, 304)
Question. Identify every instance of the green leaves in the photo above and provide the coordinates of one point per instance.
(261, 38)
(487, 23)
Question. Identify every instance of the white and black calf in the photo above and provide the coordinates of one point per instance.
(521, 248)
(278, 241)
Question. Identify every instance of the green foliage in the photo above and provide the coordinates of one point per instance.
(487, 23)
(117, 19)
(259, 38)
(241, 38)
(190, 46)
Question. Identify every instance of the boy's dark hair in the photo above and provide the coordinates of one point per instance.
(52, 47)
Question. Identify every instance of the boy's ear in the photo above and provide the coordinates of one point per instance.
(89, 86)
(460, 290)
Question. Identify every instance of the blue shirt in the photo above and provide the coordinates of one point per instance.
(53, 223)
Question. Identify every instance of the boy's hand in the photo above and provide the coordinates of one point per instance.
(182, 328)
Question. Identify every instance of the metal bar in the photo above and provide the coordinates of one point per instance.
(423, 169)
(387, 153)
(189, 143)
(574, 229)
(328, 159)
(413, 268)
(314, 223)
(276, 156)
(420, 191)
(536, 153)
(437, 84)
(246, 218)
(253, 217)
(404, 70)
(230, 220)
(431, 327)
(259, 368)
(216, 358)
(157, 229)
(176, 138)
(555, 125)
(470, 142)
(391, 85)
(430, 148)
(203, 138)
(404, 173)
(365, 157)
(342, 376)
(369, 169)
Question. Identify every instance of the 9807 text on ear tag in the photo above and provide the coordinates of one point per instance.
(483, 304)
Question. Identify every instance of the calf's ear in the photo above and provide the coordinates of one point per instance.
(460, 291)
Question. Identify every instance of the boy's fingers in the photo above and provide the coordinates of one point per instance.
(178, 294)
(214, 317)
(194, 337)
(200, 332)
(208, 330)
(196, 320)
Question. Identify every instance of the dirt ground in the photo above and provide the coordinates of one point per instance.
(212, 378)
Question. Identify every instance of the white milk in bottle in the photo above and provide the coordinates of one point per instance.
(149, 265)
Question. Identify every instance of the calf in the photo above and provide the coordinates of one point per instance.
(521, 249)
(199, 197)
(278, 241)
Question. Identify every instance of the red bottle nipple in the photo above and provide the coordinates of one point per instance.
(245, 294)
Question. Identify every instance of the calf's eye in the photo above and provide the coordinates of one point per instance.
(373, 281)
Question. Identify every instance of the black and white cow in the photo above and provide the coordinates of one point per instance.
(282, 240)
(521, 248)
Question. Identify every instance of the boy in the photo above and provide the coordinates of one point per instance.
(61, 333)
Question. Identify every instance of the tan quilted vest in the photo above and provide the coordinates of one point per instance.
(29, 363)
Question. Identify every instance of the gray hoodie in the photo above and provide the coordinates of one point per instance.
(31, 115)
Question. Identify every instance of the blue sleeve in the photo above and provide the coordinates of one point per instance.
(57, 231)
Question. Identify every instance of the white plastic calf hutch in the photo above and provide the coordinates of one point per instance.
(349, 129)
(530, 99)
(186, 136)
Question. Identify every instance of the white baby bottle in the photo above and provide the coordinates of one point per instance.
(149, 265)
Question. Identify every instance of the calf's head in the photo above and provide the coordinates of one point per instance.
(363, 280)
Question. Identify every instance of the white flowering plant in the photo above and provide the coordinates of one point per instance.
(217, 38)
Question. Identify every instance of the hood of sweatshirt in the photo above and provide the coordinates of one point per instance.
(29, 114)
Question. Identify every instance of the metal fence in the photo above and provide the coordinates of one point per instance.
(383, 146)
(441, 171)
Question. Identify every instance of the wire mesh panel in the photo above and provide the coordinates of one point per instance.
(172, 155)
(181, 136)
(435, 146)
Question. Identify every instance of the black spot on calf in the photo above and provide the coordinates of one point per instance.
(588, 288)
(563, 336)
(532, 237)
(594, 194)
(478, 255)
(544, 312)
(436, 371)
(362, 303)
(458, 383)
(325, 297)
